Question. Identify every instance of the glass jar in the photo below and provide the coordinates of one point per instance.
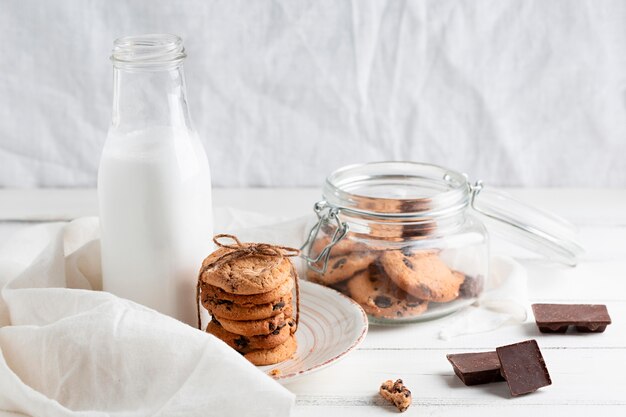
(408, 241)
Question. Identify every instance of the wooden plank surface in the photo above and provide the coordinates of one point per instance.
(430, 376)
(587, 369)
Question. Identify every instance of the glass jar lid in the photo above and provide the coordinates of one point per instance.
(411, 190)
(539, 231)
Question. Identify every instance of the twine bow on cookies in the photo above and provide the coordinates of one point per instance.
(240, 250)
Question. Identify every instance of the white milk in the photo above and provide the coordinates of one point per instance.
(154, 189)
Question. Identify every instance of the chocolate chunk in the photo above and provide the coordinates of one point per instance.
(221, 302)
(426, 290)
(476, 368)
(278, 305)
(242, 342)
(523, 367)
(471, 287)
(413, 304)
(556, 318)
(382, 301)
(407, 251)
(341, 262)
(278, 329)
(408, 263)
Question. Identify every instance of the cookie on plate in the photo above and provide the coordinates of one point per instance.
(254, 274)
(233, 311)
(282, 290)
(381, 297)
(274, 355)
(256, 327)
(422, 274)
(245, 344)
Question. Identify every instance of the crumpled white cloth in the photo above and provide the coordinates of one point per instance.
(66, 350)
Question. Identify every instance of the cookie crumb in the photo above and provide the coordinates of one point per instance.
(275, 372)
(396, 393)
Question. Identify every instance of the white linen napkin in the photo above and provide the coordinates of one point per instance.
(66, 350)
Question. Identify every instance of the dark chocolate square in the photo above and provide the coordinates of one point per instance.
(556, 318)
(523, 367)
(477, 367)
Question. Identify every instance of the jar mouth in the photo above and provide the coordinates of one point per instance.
(150, 51)
(397, 189)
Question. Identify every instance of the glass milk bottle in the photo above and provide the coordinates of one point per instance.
(154, 183)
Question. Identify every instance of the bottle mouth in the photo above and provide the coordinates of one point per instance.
(151, 51)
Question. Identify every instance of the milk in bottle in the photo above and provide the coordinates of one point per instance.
(154, 183)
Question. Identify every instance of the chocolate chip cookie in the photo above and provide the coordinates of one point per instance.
(422, 274)
(340, 268)
(263, 298)
(381, 297)
(254, 274)
(233, 311)
(245, 344)
(344, 247)
(277, 354)
(256, 327)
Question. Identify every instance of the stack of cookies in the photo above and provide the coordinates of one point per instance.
(247, 289)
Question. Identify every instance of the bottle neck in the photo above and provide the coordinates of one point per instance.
(149, 97)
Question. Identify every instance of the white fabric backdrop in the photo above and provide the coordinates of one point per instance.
(515, 92)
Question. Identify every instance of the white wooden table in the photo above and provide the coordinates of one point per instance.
(588, 370)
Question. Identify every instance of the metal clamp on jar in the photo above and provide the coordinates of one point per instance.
(408, 241)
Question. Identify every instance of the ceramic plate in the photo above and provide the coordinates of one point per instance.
(331, 325)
